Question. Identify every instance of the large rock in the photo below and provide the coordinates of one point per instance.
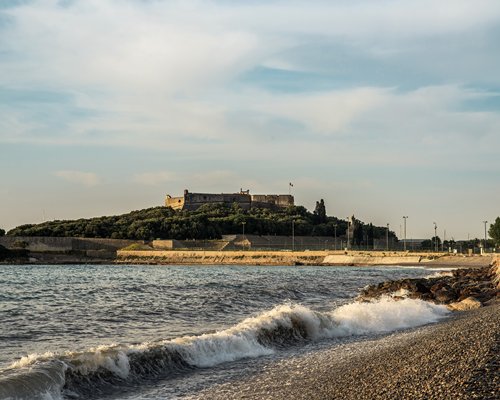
(478, 283)
(445, 295)
(470, 303)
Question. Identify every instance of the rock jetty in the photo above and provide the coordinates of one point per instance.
(460, 289)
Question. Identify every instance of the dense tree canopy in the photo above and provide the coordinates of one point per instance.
(432, 244)
(2, 232)
(208, 222)
(494, 231)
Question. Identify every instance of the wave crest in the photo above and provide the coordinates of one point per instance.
(87, 374)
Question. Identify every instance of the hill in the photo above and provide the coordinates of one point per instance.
(208, 222)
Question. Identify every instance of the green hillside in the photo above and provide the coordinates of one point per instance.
(208, 222)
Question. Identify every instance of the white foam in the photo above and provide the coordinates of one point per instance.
(111, 357)
(385, 315)
(241, 341)
(217, 348)
(31, 359)
(400, 293)
(439, 274)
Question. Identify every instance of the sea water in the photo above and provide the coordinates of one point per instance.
(159, 332)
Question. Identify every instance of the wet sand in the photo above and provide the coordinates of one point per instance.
(455, 359)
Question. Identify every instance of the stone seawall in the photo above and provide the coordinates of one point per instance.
(63, 244)
(63, 250)
(374, 259)
(275, 257)
(221, 257)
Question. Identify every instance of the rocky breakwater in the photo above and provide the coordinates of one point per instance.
(460, 289)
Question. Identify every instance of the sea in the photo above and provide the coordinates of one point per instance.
(170, 332)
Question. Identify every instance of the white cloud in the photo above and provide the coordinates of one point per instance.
(121, 46)
(158, 74)
(155, 178)
(83, 178)
(324, 113)
(164, 79)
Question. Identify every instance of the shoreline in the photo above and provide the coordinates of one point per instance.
(317, 258)
(457, 358)
(261, 258)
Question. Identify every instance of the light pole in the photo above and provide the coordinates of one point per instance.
(387, 239)
(435, 237)
(404, 243)
(243, 225)
(485, 222)
(293, 235)
(335, 233)
(348, 240)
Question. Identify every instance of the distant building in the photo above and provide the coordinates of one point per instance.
(193, 201)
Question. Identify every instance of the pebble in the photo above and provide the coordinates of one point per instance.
(455, 359)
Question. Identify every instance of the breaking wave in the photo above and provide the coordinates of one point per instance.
(106, 369)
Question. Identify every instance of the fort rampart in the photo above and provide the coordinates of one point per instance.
(193, 201)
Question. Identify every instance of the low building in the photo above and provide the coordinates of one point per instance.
(193, 201)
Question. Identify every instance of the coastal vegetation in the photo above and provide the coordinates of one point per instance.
(494, 231)
(210, 221)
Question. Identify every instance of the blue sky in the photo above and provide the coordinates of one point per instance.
(382, 108)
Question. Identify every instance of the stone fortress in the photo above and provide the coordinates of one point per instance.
(192, 201)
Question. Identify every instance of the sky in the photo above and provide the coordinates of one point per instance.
(384, 109)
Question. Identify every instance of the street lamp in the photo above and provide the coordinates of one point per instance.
(293, 235)
(335, 230)
(348, 240)
(404, 243)
(435, 237)
(243, 225)
(485, 222)
(387, 238)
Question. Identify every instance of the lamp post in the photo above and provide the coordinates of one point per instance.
(387, 239)
(348, 240)
(335, 233)
(293, 235)
(404, 243)
(435, 237)
(485, 237)
(243, 225)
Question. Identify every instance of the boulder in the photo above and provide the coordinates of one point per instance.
(470, 303)
(445, 295)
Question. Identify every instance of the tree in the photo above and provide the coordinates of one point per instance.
(320, 211)
(436, 242)
(494, 231)
(2, 232)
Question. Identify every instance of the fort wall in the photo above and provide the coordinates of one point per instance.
(177, 203)
(193, 201)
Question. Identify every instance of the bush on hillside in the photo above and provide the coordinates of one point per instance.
(210, 221)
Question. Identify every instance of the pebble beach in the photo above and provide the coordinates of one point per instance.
(455, 359)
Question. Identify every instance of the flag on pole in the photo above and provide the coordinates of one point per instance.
(291, 184)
